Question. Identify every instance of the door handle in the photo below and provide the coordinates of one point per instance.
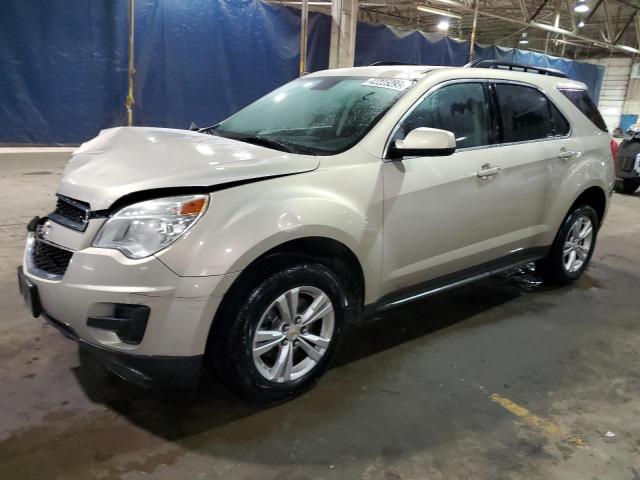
(566, 154)
(487, 171)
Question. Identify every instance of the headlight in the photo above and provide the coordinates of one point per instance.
(145, 228)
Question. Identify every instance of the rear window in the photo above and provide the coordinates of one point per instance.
(582, 100)
(525, 113)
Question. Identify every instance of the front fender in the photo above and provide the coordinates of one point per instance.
(245, 222)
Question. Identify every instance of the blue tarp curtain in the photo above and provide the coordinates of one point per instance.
(587, 73)
(63, 63)
(382, 42)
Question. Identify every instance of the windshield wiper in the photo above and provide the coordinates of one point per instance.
(265, 142)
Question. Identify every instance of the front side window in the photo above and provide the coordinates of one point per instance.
(315, 115)
(524, 112)
(461, 108)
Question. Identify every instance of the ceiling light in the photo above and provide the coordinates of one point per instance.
(581, 7)
(437, 11)
(523, 39)
(453, 3)
(581, 24)
(629, 49)
(443, 25)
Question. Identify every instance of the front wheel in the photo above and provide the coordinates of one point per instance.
(275, 338)
(573, 247)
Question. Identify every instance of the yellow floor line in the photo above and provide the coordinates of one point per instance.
(548, 427)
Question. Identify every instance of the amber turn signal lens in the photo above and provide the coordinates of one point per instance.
(193, 207)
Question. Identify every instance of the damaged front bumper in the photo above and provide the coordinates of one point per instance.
(148, 324)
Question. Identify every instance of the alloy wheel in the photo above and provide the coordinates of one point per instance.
(293, 334)
(577, 244)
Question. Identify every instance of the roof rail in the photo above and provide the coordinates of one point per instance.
(382, 64)
(498, 65)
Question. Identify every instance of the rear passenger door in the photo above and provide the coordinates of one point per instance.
(535, 144)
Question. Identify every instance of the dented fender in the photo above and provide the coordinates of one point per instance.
(255, 218)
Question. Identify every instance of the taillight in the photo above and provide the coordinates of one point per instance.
(614, 150)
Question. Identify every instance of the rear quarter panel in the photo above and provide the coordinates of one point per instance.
(592, 168)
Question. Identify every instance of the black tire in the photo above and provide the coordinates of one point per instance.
(553, 268)
(626, 186)
(231, 341)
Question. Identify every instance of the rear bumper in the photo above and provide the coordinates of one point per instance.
(627, 174)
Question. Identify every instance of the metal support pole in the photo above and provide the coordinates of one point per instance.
(473, 30)
(546, 28)
(556, 13)
(304, 33)
(546, 44)
(344, 15)
(624, 28)
(607, 21)
(132, 70)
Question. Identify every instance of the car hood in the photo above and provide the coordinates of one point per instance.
(125, 160)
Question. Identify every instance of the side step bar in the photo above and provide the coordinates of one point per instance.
(448, 282)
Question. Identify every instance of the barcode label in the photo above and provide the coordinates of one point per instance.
(390, 83)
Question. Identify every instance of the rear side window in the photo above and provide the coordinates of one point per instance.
(461, 108)
(582, 100)
(524, 112)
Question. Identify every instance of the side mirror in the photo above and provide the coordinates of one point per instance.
(424, 142)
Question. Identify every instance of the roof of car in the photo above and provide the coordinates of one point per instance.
(410, 72)
(417, 72)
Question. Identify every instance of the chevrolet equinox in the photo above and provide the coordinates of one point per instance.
(247, 246)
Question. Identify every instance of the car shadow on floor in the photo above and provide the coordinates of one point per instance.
(174, 415)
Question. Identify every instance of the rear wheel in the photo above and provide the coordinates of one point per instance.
(274, 339)
(626, 186)
(573, 247)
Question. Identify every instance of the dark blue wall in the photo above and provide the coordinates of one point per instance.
(591, 75)
(375, 43)
(380, 42)
(63, 69)
(204, 60)
(63, 63)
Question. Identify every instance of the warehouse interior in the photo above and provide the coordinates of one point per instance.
(505, 378)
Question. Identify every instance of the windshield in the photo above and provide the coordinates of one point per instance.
(317, 115)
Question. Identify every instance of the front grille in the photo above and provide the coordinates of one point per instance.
(49, 258)
(71, 213)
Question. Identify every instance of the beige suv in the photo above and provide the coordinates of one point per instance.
(248, 245)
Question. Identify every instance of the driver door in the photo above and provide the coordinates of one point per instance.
(442, 214)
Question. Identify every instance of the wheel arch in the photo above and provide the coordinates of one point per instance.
(594, 196)
(324, 250)
(329, 251)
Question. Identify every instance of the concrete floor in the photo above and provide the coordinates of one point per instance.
(490, 381)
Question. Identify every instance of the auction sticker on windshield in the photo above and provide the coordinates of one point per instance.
(391, 83)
